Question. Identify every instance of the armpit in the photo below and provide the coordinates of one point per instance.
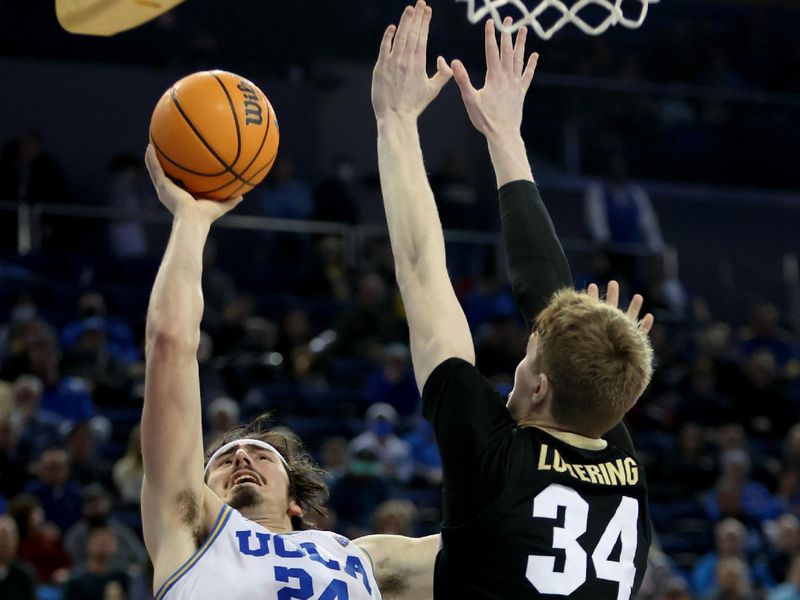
(391, 583)
(189, 509)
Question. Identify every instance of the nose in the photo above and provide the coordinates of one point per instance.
(241, 457)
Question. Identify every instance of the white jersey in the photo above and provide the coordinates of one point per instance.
(242, 560)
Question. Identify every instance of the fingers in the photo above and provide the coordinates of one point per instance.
(229, 204)
(490, 44)
(506, 47)
(635, 306)
(402, 30)
(462, 80)
(593, 291)
(154, 168)
(530, 69)
(422, 43)
(386, 43)
(442, 76)
(415, 28)
(646, 323)
(519, 51)
(612, 293)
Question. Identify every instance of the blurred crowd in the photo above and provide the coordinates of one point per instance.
(327, 354)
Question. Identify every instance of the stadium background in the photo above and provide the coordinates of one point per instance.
(303, 316)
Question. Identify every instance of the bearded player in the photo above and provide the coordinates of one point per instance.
(233, 525)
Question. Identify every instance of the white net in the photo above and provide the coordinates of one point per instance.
(523, 14)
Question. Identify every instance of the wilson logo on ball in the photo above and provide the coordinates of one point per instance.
(252, 107)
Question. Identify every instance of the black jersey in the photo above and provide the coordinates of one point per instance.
(527, 515)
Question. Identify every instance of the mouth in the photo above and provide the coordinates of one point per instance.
(244, 478)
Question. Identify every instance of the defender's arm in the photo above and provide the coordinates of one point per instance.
(401, 90)
(403, 566)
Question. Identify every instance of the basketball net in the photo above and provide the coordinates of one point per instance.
(477, 10)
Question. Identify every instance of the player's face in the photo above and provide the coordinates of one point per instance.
(525, 381)
(248, 477)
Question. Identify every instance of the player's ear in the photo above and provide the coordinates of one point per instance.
(294, 510)
(542, 389)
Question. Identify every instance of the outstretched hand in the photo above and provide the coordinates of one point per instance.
(400, 82)
(178, 200)
(634, 308)
(496, 108)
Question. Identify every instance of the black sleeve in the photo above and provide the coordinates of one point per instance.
(537, 264)
(474, 431)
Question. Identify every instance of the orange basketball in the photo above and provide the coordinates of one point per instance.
(215, 134)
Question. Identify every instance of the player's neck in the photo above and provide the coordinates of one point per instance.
(565, 435)
(279, 523)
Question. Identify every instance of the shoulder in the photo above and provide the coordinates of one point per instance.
(450, 371)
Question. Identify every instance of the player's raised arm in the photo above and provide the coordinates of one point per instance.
(536, 260)
(401, 90)
(172, 447)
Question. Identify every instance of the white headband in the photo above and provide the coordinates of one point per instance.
(244, 442)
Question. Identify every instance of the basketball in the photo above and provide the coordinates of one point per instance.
(215, 134)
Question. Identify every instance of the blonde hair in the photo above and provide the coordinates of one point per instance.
(597, 360)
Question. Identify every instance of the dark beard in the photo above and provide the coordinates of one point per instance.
(245, 497)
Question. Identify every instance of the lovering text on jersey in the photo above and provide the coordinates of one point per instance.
(622, 471)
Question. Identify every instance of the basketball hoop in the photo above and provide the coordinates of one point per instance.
(477, 10)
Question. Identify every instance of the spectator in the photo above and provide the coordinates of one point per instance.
(759, 402)
(703, 403)
(425, 453)
(498, 346)
(393, 382)
(619, 213)
(283, 196)
(39, 541)
(784, 535)
(38, 354)
(687, 471)
(730, 536)
(363, 329)
(757, 502)
(327, 274)
(223, 414)
(92, 360)
(93, 312)
(334, 197)
(129, 192)
(333, 458)
(457, 198)
(96, 512)
(219, 288)
(295, 332)
(13, 474)
(17, 581)
(764, 333)
(732, 581)
(356, 495)
(97, 579)
(128, 471)
(674, 589)
(28, 173)
(38, 428)
(86, 465)
(395, 517)
(393, 453)
(790, 588)
(60, 496)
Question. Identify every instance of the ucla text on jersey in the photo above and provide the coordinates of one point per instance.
(242, 559)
